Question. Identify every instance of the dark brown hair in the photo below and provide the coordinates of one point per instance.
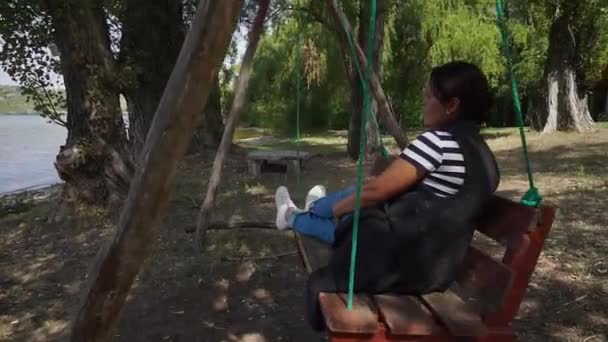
(466, 82)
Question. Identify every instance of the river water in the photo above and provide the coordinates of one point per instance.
(28, 146)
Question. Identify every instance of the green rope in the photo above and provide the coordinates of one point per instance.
(362, 144)
(363, 139)
(532, 198)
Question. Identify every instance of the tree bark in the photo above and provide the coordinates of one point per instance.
(373, 130)
(208, 133)
(94, 162)
(567, 102)
(153, 33)
(354, 131)
(238, 103)
(605, 81)
(386, 114)
(354, 124)
(535, 107)
(606, 104)
(183, 99)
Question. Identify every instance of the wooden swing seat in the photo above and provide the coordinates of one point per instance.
(481, 304)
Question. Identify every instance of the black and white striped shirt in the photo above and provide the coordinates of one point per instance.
(438, 156)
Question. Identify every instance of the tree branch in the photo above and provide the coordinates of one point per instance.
(263, 257)
(228, 135)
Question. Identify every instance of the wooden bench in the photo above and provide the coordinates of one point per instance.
(481, 304)
(290, 161)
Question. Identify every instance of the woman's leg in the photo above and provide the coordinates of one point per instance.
(314, 226)
(318, 221)
(323, 207)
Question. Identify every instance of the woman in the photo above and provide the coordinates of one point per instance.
(418, 216)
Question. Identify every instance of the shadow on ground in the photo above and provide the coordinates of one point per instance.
(248, 285)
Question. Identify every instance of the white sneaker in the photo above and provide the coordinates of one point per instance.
(314, 194)
(284, 203)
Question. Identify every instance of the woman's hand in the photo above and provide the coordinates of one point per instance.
(336, 212)
(336, 215)
(336, 221)
(369, 179)
(398, 177)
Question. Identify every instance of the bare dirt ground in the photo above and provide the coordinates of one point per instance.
(248, 284)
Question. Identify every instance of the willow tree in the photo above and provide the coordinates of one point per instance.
(103, 50)
(567, 102)
(424, 33)
(94, 162)
(577, 49)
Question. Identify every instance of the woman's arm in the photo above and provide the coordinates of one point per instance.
(398, 177)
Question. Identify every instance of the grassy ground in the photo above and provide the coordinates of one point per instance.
(248, 285)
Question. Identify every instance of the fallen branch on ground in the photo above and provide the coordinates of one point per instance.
(264, 257)
(225, 225)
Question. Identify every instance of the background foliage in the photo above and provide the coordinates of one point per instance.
(419, 35)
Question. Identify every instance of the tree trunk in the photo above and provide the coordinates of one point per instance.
(535, 108)
(94, 162)
(354, 130)
(240, 95)
(208, 133)
(373, 130)
(567, 102)
(354, 124)
(606, 104)
(386, 115)
(153, 33)
(605, 81)
(137, 231)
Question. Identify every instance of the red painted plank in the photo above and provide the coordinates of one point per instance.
(406, 316)
(483, 280)
(506, 221)
(523, 263)
(460, 318)
(360, 320)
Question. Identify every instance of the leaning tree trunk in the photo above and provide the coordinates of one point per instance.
(386, 115)
(240, 95)
(354, 129)
(567, 102)
(184, 98)
(94, 162)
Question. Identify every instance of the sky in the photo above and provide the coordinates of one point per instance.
(5, 79)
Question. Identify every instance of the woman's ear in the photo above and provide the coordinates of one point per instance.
(453, 106)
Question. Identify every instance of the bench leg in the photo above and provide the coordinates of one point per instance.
(255, 168)
(506, 335)
(294, 167)
(383, 337)
(500, 338)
